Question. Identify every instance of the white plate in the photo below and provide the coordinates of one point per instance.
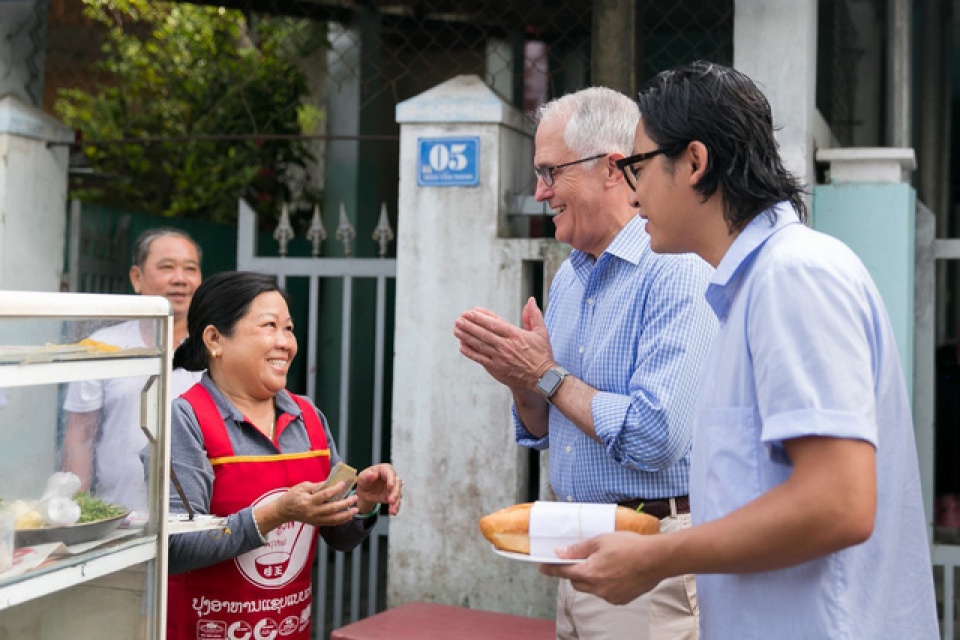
(526, 557)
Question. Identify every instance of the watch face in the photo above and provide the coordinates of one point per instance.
(549, 382)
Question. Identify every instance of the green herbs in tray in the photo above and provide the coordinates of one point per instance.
(93, 508)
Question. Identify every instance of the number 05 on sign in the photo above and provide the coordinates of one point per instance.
(449, 162)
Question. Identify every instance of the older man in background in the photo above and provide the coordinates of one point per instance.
(103, 440)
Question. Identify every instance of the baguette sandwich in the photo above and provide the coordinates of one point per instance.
(508, 529)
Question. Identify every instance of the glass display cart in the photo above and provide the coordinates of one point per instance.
(103, 576)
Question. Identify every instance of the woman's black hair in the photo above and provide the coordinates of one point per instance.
(220, 301)
(723, 109)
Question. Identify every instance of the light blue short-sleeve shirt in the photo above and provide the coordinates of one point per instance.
(805, 348)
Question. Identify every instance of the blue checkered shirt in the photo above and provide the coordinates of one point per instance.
(634, 325)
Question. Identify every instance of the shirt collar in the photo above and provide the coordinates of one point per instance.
(284, 402)
(722, 287)
(629, 244)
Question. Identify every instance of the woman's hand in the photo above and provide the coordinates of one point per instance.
(307, 502)
(379, 484)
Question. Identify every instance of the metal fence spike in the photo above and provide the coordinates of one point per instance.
(283, 234)
(383, 234)
(317, 233)
(345, 232)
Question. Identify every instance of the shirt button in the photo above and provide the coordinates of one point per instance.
(590, 301)
(569, 498)
(568, 449)
(580, 350)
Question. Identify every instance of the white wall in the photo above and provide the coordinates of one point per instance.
(453, 438)
(33, 197)
(775, 44)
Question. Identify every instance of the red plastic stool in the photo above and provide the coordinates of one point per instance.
(430, 621)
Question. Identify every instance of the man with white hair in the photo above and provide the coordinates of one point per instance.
(606, 380)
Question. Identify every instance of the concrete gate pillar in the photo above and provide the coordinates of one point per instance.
(33, 174)
(775, 43)
(465, 156)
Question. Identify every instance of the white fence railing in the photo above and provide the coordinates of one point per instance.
(358, 575)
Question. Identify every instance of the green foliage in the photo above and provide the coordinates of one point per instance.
(196, 77)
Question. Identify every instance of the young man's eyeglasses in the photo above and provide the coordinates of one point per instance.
(629, 166)
(547, 172)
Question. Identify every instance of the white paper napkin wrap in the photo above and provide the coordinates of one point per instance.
(560, 524)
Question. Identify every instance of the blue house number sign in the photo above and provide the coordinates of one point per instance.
(449, 162)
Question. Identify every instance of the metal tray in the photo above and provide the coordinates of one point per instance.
(69, 534)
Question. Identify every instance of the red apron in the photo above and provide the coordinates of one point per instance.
(266, 593)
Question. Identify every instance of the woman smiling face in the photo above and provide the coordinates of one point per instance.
(254, 360)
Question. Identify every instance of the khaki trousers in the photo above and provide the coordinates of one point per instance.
(668, 612)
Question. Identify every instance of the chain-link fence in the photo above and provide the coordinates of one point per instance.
(352, 64)
(838, 56)
(342, 90)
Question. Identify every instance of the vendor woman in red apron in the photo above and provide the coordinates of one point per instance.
(245, 448)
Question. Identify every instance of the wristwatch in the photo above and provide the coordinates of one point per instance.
(550, 381)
